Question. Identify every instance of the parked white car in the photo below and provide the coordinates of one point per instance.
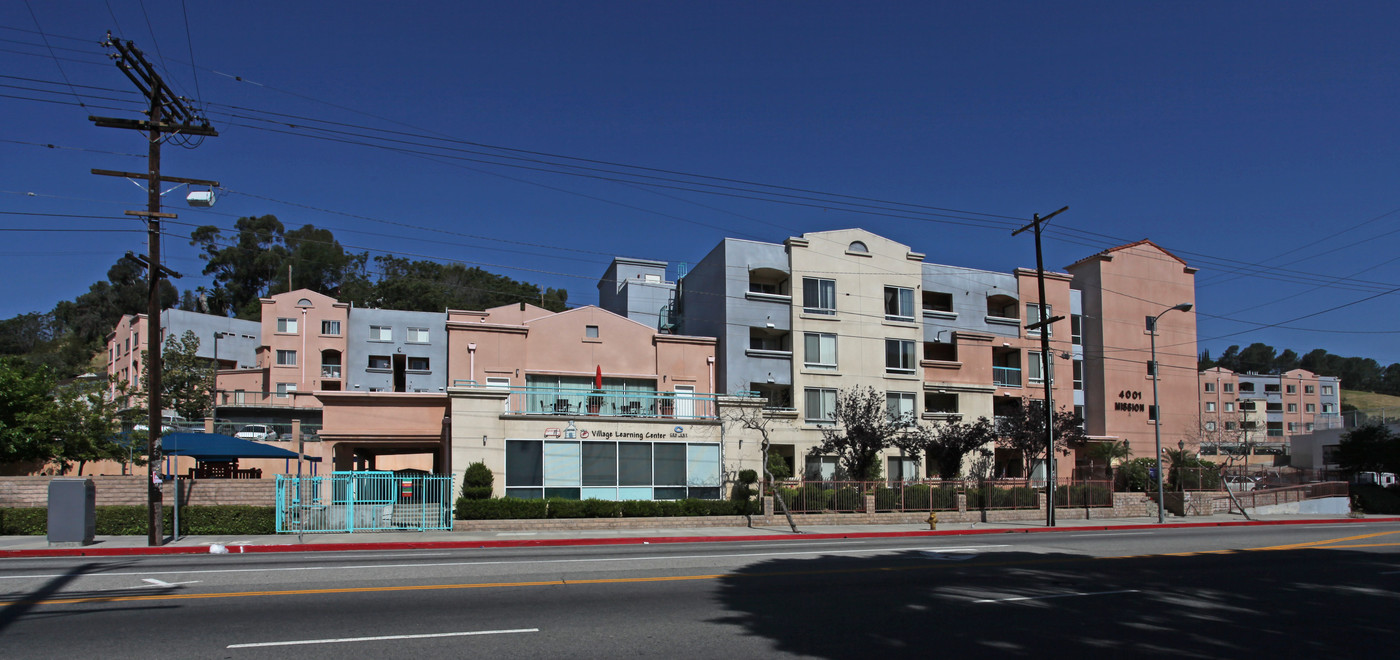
(256, 432)
(1240, 483)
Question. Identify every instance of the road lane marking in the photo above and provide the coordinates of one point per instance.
(1018, 599)
(1103, 534)
(1311, 544)
(516, 533)
(346, 640)
(158, 583)
(481, 563)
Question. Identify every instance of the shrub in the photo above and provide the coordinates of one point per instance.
(1084, 495)
(778, 466)
(1368, 499)
(29, 521)
(1135, 476)
(131, 520)
(748, 477)
(505, 508)
(478, 482)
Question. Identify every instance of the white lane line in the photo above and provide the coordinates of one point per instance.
(1102, 534)
(788, 544)
(158, 583)
(346, 640)
(1070, 595)
(516, 533)
(532, 562)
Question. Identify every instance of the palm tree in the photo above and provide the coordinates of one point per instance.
(1109, 452)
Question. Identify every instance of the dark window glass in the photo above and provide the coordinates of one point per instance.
(670, 466)
(702, 493)
(599, 464)
(633, 464)
(525, 493)
(561, 493)
(524, 463)
(678, 493)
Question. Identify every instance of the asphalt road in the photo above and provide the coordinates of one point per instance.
(1281, 591)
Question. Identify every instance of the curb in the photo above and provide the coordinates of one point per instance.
(539, 543)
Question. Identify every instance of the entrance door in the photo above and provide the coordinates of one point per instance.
(685, 401)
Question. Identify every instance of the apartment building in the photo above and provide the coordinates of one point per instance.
(1257, 415)
(797, 322)
(232, 342)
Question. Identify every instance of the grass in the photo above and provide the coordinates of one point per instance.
(1365, 401)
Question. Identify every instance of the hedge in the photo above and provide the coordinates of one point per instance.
(1375, 500)
(131, 520)
(509, 508)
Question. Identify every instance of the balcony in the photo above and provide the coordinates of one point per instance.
(1006, 376)
(594, 403)
(330, 371)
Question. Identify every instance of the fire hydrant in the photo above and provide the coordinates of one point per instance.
(933, 520)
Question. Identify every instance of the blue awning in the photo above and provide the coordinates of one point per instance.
(220, 447)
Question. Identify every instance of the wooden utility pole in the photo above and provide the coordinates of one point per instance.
(168, 114)
(1044, 326)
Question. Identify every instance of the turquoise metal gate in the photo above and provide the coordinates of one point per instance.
(363, 502)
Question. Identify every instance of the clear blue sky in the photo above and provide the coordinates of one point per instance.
(1256, 140)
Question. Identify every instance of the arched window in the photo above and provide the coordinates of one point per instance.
(858, 246)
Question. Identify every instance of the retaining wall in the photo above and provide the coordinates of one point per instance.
(117, 490)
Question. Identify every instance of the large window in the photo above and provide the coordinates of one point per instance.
(417, 335)
(818, 296)
(1078, 374)
(287, 325)
(1076, 329)
(284, 389)
(819, 350)
(821, 405)
(381, 333)
(378, 362)
(330, 328)
(419, 364)
(573, 469)
(286, 358)
(1034, 365)
(900, 407)
(899, 304)
(899, 356)
(1033, 317)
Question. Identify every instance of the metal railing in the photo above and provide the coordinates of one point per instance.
(1084, 493)
(363, 501)
(595, 403)
(1006, 376)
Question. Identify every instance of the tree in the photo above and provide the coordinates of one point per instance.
(1024, 431)
(427, 286)
(1204, 362)
(1286, 361)
(26, 408)
(863, 429)
(1258, 358)
(83, 426)
(243, 272)
(186, 379)
(1109, 452)
(753, 418)
(949, 445)
(1371, 447)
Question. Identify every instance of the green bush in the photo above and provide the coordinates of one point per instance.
(778, 466)
(478, 482)
(1135, 476)
(505, 508)
(591, 508)
(1374, 499)
(846, 499)
(1084, 495)
(641, 509)
(991, 497)
(131, 520)
(748, 477)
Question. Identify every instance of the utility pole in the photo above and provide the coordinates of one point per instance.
(1044, 326)
(168, 114)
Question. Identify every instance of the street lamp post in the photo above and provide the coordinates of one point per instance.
(1157, 406)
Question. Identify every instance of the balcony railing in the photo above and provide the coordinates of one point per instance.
(1006, 376)
(605, 403)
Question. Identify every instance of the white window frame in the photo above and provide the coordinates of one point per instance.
(418, 336)
(285, 390)
(823, 342)
(286, 326)
(381, 333)
(899, 304)
(902, 405)
(427, 364)
(1210, 406)
(1229, 406)
(388, 362)
(821, 299)
(826, 400)
(1033, 317)
(906, 357)
(1033, 365)
(286, 358)
(330, 328)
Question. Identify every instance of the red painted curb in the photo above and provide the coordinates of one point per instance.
(637, 540)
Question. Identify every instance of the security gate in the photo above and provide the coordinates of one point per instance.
(363, 502)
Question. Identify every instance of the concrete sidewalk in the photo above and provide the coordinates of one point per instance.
(38, 546)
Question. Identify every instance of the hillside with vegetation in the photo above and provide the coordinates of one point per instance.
(1358, 374)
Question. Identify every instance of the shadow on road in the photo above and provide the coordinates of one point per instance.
(1249, 604)
(16, 608)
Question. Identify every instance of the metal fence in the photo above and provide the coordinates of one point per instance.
(363, 502)
(1084, 493)
(1002, 494)
(927, 495)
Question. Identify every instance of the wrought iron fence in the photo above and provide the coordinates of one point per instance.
(1085, 493)
(363, 501)
(1002, 494)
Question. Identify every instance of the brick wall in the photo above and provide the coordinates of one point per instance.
(115, 490)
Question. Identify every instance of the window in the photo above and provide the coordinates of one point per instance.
(417, 335)
(1151, 368)
(381, 333)
(1078, 374)
(1229, 406)
(1271, 387)
(287, 325)
(819, 350)
(1210, 406)
(1033, 366)
(1230, 426)
(820, 468)
(1327, 409)
(859, 247)
(1246, 387)
(379, 362)
(938, 301)
(899, 304)
(1326, 390)
(1292, 407)
(1210, 387)
(1293, 427)
(590, 331)
(1033, 317)
(941, 402)
(330, 328)
(283, 389)
(1152, 413)
(900, 407)
(818, 296)
(1309, 389)
(770, 288)
(1210, 426)
(764, 340)
(286, 358)
(1310, 407)
(945, 352)
(1247, 406)
(899, 356)
(1292, 389)
(1273, 406)
(821, 405)
(1229, 387)
(1076, 329)
(418, 364)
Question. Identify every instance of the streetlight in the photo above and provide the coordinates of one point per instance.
(1157, 406)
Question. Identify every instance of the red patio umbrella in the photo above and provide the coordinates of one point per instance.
(598, 379)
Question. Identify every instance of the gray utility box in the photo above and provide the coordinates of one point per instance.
(72, 512)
